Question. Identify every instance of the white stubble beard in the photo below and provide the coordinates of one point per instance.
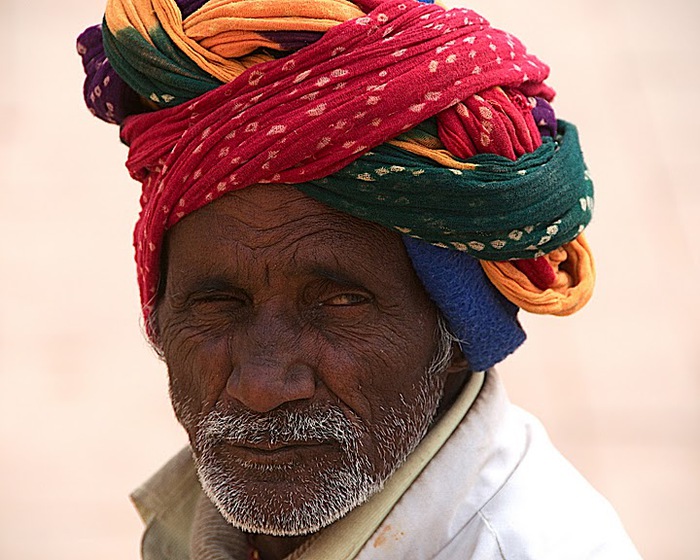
(330, 490)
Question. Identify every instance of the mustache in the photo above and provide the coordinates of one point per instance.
(316, 423)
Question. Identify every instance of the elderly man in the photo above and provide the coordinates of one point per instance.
(344, 206)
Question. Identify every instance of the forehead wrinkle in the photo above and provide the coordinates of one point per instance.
(285, 244)
(289, 228)
(287, 207)
(306, 239)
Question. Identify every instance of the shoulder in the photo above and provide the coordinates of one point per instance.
(544, 510)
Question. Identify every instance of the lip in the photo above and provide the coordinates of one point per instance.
(280, 453)
(274, 447)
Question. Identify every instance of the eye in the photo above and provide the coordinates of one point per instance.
(346, 300)
(217, 300)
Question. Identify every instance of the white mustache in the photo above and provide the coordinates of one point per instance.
(314, 424)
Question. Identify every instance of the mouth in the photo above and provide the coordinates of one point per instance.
(280, 453)
(267, 447)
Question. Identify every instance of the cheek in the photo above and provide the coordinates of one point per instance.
(370, 372)
(198, 368)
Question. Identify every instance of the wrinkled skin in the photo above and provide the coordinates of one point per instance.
(275, 302)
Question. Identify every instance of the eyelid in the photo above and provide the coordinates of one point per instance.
(204, 296)
(331, 286)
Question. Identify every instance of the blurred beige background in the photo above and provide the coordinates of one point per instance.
(84, 415)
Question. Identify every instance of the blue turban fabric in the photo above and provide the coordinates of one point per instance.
(480, 317)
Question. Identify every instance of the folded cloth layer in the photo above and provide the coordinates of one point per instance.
(426, 120)
(493, 208)
(307, 116)
(572, 287)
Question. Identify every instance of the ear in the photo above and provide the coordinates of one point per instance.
(152, 331)
(458, 363)
(456, 375)
(564, 289)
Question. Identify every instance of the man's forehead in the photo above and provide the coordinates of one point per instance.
(277, 228)
(278, 217)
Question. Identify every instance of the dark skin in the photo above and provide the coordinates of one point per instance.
(274, 300)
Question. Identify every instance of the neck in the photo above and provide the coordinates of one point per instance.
(276, 548)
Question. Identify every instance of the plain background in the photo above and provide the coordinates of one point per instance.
(84, 414)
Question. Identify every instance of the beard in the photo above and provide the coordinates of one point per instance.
(303, 495)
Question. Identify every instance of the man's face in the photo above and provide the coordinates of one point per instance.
(297, 341)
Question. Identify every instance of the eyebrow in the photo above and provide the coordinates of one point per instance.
(208, 284)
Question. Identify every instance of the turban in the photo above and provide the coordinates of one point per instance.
(425, 120)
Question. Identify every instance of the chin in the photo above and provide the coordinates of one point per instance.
(286, 501)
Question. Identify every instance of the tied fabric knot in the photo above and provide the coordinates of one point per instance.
(568, 289)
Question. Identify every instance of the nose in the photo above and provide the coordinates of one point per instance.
(269, 365)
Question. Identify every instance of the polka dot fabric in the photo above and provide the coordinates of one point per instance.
(312, 113)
